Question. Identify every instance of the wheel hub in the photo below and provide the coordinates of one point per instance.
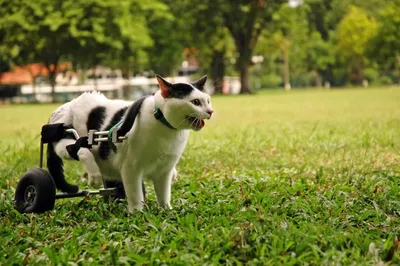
(30, 194)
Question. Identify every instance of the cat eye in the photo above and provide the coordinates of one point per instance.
(208, 101)
(196, 102)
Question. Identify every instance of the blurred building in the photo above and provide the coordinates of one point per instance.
(31, 83)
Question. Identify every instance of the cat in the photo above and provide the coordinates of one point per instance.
(155, 140)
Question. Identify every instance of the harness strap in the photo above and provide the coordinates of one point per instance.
(109, 136)
(129, 119)
(126, 123)
(73, 149)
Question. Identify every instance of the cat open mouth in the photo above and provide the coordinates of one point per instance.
(195, 123)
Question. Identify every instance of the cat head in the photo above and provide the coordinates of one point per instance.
(184, 105)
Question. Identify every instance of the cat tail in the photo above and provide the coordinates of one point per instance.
(55, 166)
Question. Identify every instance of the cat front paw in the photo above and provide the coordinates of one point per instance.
(95, 180)
(174, 175)
(134, 208)
(166, 206)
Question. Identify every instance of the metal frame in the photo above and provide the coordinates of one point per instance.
(105, 192)
(94, 137)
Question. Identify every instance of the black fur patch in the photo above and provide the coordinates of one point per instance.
(180, 90)
(96, 118)
(104, 147)
(131, 116)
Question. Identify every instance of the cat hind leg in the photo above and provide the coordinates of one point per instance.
(87, 159)
(85, 156)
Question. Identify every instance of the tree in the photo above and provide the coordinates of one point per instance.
(245, 21)
(302, 52)
(320, 56)
(49, 31)
(384, 47)
(5, 54)
(291, 31)
(221, 47)
(210, 37)
(324, 17)
(354, 32)
(141, 50)
(206, 26)
(195, 29)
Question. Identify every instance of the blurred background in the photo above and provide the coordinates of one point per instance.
(52, 50)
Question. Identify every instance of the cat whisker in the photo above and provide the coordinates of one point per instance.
(193, 121)
(181, 122)
(214, 81)
(185, 119)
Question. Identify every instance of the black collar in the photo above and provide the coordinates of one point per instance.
(160, 117)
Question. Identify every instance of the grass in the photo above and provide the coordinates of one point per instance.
(301, 178)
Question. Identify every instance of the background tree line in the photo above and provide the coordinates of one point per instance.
(267, 43)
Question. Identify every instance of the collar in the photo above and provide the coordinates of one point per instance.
(160, 117)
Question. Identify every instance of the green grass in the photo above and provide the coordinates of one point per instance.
(300, 178)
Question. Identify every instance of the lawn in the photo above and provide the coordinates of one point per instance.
(296, 178)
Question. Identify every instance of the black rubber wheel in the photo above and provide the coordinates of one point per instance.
(36, 192)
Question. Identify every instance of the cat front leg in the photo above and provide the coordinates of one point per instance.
(174, 175)
(162, 187)
(132, 182)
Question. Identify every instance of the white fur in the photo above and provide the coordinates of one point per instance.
(151, 151)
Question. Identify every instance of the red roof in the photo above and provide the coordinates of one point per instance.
(25, 74)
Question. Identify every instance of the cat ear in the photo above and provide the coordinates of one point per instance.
(199, 84)
(165, 86)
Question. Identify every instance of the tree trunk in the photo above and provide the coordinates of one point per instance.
(33, 84)
(52, 78)
(361, 72)
(327, 75)
(397, 67)
(245, 53)
(218, 70)
(319, 80)
(34, 94)
(286, 74)
(244, 78)
(95, 77)
(52, 75)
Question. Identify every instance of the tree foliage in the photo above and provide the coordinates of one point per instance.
(385, 46)
(354, 32)
(87, 32)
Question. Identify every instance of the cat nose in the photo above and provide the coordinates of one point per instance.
(210, 112)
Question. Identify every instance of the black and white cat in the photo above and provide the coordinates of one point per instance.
(154, 145)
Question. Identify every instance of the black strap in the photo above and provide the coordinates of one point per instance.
(73, 149)
(130, 116)
(53, 132)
